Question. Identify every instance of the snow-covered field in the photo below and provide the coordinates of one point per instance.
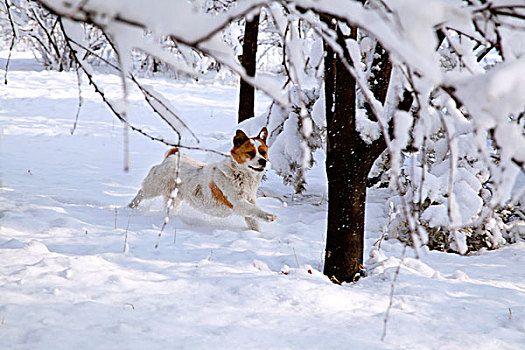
(66, 281)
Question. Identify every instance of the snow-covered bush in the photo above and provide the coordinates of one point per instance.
(426, 188)
(295, 137)
(456, 176)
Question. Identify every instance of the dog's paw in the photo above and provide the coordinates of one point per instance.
(252, 224)
(270, 217)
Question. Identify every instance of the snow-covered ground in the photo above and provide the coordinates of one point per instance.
(67, 283)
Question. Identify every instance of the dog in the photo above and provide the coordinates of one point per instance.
(220, 189)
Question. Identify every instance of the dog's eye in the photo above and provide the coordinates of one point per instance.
(262, 153)
(251, 154)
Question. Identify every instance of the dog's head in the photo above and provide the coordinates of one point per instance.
(251, 153)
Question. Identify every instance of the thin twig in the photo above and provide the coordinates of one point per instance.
(147, 94)
(13, 39)
(423, 172)
(125, 249)
(50, 39)
(171, 200)
(385, 228)
(80, 99)
(450, 193)
(458, 52)
(296, 260)
(113, 109)
(166, 220)
(392, 287)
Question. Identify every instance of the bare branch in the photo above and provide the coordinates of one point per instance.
(50, 39)
(392, 288)
(13, 38)
(79, 83)
(147, 94)
(119, 115)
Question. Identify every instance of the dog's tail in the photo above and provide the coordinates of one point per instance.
(171, 152)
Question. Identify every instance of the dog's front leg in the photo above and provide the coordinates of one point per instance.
(252, 223)
(250, 210)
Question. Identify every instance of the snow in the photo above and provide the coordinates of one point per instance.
(368, 129)
(504, 96)
(79, 270)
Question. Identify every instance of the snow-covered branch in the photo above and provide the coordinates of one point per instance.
(128, 25)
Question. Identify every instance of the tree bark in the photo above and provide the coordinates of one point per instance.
(348, 162)
(248, 61)
(345, 229)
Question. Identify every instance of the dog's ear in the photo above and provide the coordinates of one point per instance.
(263, 134)
(239, 138)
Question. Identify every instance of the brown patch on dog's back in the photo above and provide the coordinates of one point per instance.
(172, 152)
(219, 196)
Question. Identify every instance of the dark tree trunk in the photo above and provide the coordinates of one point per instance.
(348, 162)
(248, 61)
(156, 65)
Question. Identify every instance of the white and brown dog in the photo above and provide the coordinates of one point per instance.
(220, 189)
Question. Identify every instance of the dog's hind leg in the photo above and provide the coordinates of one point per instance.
(136, 201)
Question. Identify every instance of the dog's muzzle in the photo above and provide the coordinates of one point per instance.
(262, 163)
(257, 169)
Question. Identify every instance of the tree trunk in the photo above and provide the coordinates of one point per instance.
(248, 61)
(348, 162)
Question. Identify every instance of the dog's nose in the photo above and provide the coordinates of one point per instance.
(262, 162)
